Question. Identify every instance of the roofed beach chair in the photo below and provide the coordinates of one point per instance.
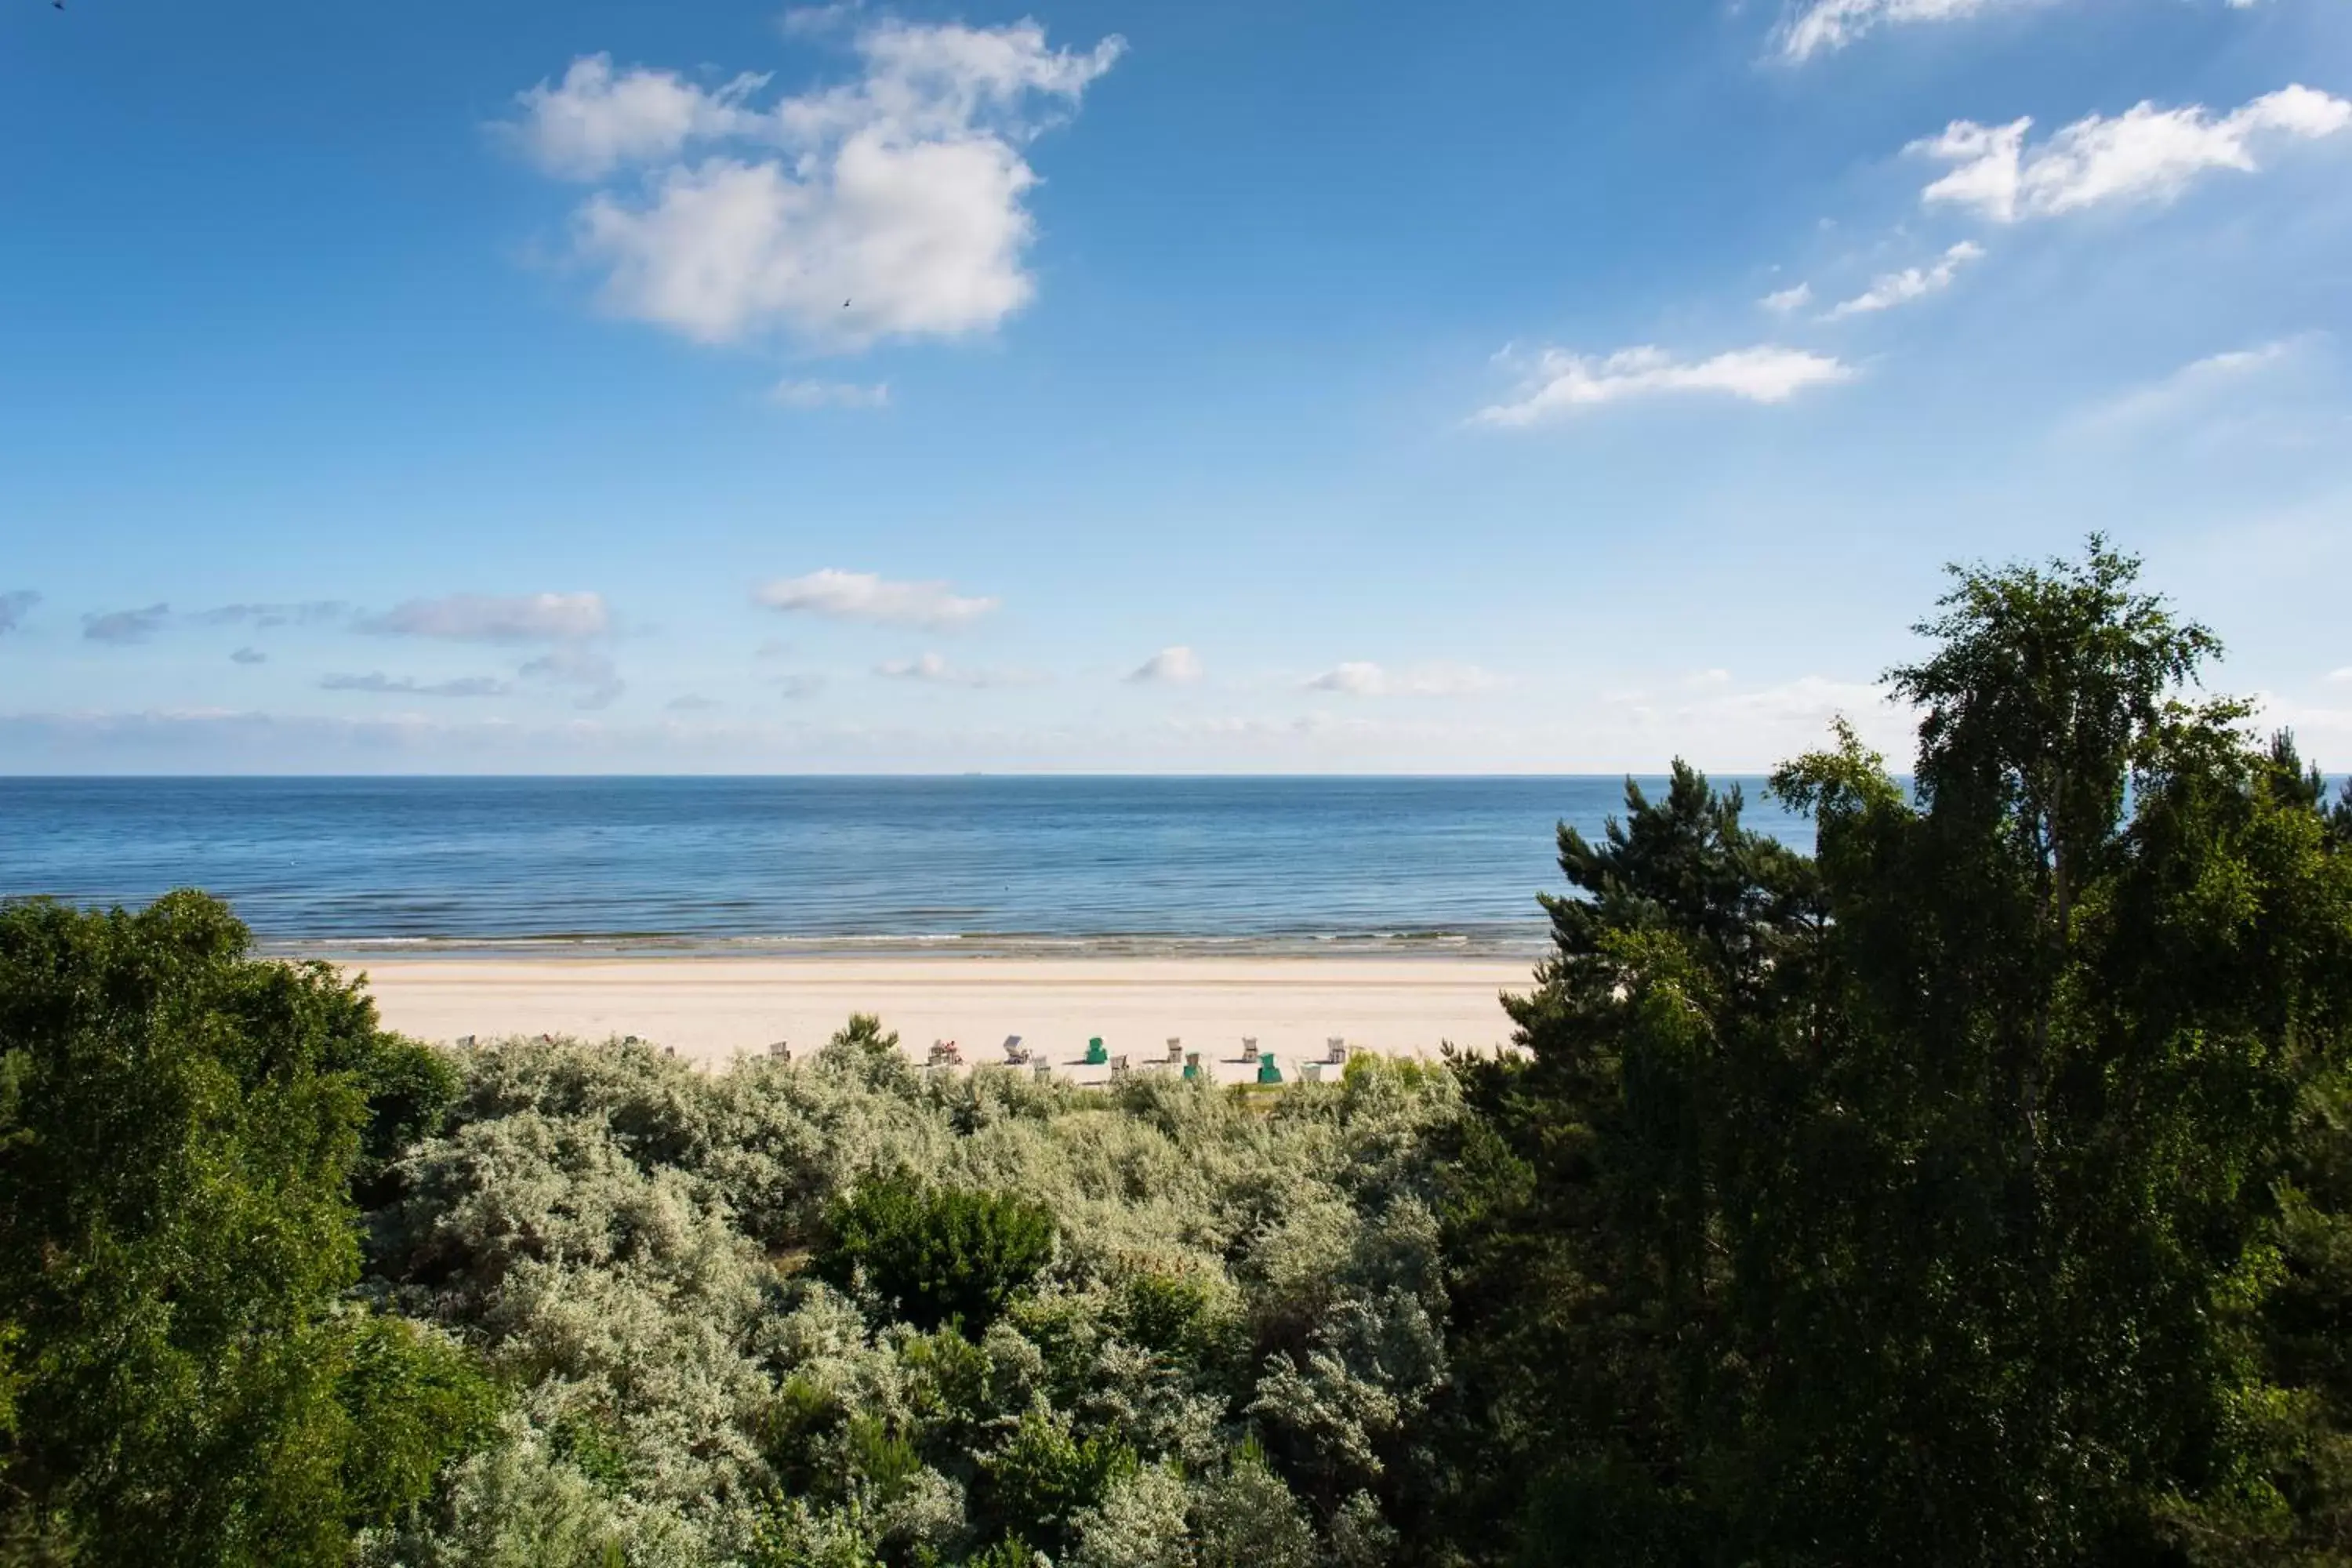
(1335, 1050)
(1310, 1072)
(1249, 1048)
(1041, 1069)
(1095, 1055)
(944, 1054)
(1268, 1071)
(1118, 1067)
(1192, 1063)
(780, 1051)
(1015, 1053)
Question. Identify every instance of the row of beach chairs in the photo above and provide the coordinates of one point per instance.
(946, 1055)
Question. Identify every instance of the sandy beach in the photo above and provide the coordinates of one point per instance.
(709, 1009)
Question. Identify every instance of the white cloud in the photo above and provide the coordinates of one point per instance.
(1361, 679)
(1173, 666)
(12, 605)
(485, 618)
(1894, 288)
(936, 670)
(690, 702)
(1787, 301)
(596, 121)
(409, 686)
(2145, 154)
(893, 206)
(313, 613)
(831, 394)
(249, 656)
(121, 627)
(867, 596)
(1820, 26)
(2221, 379)
(2341, 677)
(1562, 383)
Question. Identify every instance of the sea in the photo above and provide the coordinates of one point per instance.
(993, 865)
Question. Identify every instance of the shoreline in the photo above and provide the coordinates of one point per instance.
(709, 1008)
(1520, 947)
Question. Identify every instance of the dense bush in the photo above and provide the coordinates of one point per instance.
(734, 1330)
(935, 1257)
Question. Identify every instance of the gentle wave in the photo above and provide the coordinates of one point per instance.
(965, 865)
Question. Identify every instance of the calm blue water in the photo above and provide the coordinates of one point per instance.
(999, 864)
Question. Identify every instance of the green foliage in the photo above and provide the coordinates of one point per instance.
(1010, 1552)
(409, 1089)
(585, 1443)
(415, 1401)
(636, 1248)
(1043, 1477)
(936, 1257)
(1924, 1201)
(1176, 1316)
(180, 1129)
(882, 1460)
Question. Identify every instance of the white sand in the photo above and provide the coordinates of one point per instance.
(709, 1009)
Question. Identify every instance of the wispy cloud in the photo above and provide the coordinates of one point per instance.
(119, 626)
(867, 596)
(1821, 26)
(2217, 382)
(1171, 666)
(690, 702)
(799, 687)
(407, 686)
(934, 670)
(2143, 154)
(12, 605)
(1361, 679)
(587, 669)
(894, 205)
(249, 656)
(314, 612)
(1560, 384)
(1789, 300)
(830, 394)
(1892, 289)
(491, 618)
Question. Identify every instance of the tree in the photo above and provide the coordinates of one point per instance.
(1920, 1202)
(178, 1143)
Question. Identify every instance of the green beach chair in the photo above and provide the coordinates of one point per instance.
(1192, 1065)
(1095, 1055)
(1267, 1072)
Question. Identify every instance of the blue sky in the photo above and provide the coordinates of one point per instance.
(1123, 387)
